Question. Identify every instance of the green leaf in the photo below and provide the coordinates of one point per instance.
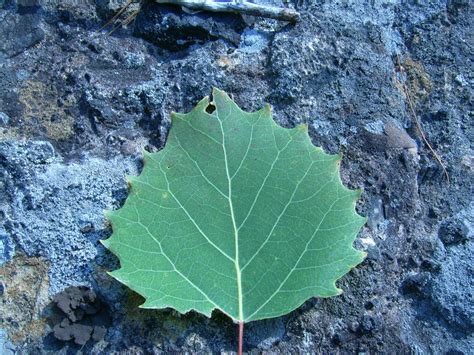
(238, 214)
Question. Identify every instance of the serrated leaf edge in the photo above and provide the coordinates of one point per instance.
(202, 106)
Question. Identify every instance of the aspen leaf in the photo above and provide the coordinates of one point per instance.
(235, 213)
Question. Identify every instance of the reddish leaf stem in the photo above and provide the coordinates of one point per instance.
(241, 337)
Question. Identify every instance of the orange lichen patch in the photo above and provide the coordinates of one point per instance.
(25, 296)
(227, 62)
(418, 82)
(45, 111)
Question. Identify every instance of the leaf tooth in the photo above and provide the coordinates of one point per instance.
(265, 113)
(338, 291)
(146, 156)
(105, 242)
(356, 192)
(144, 151)
(116, 274)
(132, 182)
(109, 243)
(150, 305)
(318, 148)
(220, 97)
(365, 218)
(201, 106)
(131, 179)
(109, 214)
(361, 255)
(303, 127)
(174, 116)
(268, 109)
(217, 91)
(110, 219)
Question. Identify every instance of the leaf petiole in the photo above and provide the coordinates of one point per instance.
(241, 337)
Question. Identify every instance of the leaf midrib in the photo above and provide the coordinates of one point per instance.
(234, 225)
(236, 228)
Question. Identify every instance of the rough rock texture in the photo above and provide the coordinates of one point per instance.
(77, 107)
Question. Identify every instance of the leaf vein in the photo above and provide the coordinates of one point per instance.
(192, 219)
(296, 264)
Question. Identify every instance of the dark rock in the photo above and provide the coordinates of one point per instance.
(416, 284)
(63, 330)
(77, 301)
(368, 325)
(440, 115)
(171, 28)
(455, 6)
(106, 9)
(18, 33)
(454, 352)
(99, 333)
(86, 316)
(267, 334)
(453, 232)
(66, 331)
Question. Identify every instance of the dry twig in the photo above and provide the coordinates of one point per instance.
(411, 108)
(237, 6)
(234, 6)
(115, 19)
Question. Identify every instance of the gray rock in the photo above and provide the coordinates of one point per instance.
(7, 248)
(458, 229)
(50, 208)
(339, 69)
(254, 41)
(452, 288)
(6, 347)
(4, 119)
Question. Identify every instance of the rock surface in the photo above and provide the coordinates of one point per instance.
(77, 107)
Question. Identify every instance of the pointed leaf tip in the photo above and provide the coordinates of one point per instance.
(302, 127)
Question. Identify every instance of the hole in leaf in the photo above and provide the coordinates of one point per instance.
(210, 109)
